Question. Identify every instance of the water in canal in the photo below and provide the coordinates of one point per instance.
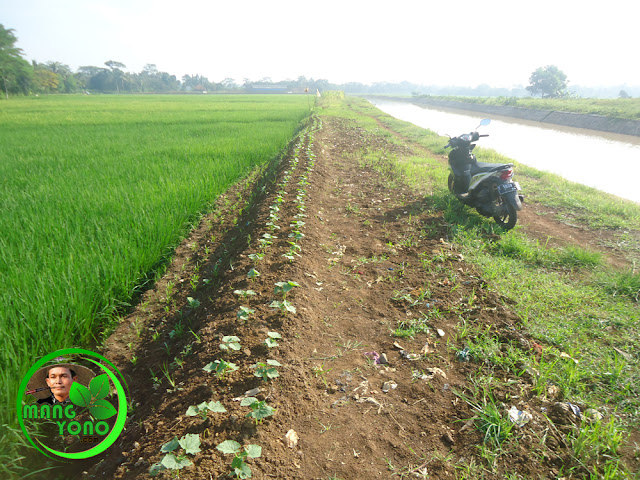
(608, 162)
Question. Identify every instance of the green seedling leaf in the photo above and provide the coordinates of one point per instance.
(254, 451)
(244, 313)
(240, 469)
(220, 367)
(230, 342)
(216, 407)
(275, 363)
(156, 469)
(253, 273)
(248, 401)
(192, 411)
(229, 447)
(191, 443)
(80, 395)
(101, 409)
(170, 446)
(99, 386)
(271, 343)
(171, 462)
(193, 303)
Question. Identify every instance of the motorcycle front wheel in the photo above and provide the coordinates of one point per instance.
(450, 182)
(508, 217)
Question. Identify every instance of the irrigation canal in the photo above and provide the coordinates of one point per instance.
(608, 162)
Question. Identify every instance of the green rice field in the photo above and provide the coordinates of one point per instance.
(94, 193)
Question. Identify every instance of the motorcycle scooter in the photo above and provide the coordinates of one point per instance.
(487, 187)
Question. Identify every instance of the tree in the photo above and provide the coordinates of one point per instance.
(15, 71)
(548, 82)
(116, 71)
(623, 94)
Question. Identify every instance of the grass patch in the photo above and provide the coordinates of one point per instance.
(583, 313)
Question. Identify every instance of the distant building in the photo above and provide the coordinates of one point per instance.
(267, 88)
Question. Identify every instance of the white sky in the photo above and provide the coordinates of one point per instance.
(463, 42)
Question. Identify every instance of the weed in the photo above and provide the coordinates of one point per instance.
(192, 302)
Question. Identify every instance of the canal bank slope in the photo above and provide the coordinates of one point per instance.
(569, 119)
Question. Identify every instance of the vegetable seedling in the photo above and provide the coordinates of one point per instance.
(285, 287)
(253, 273)
(204, 408)
(239, 467)
(244, 293)
(267, 371)
(230, 342)
(259, 409)
(220, 368)
(244, 313)
(175, 460)
(270, 341)
(256, 257)
(284, 306)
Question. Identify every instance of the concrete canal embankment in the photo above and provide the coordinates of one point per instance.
(577, 120)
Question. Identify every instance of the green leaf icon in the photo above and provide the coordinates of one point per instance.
(80, 395)
(102, 409)
(99, 386)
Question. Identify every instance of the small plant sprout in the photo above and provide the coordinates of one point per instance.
(244, 313)
(297, 234)
(194, 282)
(230, 342)
(244, 293)
(220, 368)
(267, 371)
(204, 408)
(175, 459)
(284, 306)
(239, 467)
(272, 338)
(253, 273)
(259, 409)
(256, 257)
(284, 288)
(193, 303)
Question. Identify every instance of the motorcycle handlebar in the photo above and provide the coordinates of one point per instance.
(486, 135)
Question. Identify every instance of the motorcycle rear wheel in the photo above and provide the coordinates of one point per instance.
(508, 218)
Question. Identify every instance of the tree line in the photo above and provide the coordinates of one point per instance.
(19, 77)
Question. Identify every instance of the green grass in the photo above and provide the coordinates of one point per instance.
(96, 192)
(628, 108)
(583, 312)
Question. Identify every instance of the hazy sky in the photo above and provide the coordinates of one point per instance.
(461, 42)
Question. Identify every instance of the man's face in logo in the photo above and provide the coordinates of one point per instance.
(59, 380)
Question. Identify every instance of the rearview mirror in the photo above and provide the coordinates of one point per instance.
(484, 121)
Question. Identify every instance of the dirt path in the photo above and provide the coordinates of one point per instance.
(363, 403)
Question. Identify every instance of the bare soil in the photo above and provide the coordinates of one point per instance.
(371, 248)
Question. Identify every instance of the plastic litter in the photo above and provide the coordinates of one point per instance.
(519, 417)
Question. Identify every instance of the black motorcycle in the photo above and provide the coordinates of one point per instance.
(487, 187)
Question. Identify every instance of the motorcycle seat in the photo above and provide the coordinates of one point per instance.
(480, 167)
